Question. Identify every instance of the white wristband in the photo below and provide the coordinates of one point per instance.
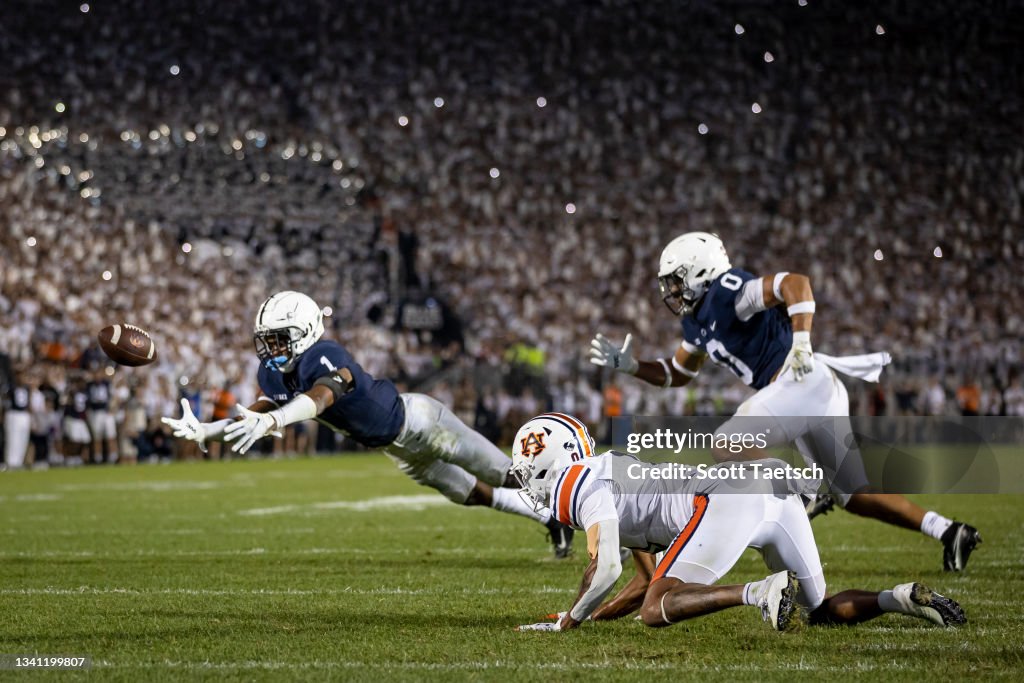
(668, 373)
(302, 407)
(777, 285)
(689, 373)
(800, 307)
(802, 336)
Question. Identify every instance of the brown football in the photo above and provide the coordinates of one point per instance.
(127, 344)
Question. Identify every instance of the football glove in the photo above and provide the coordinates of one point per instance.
(543, 626)
(605, 353)
(801, 358)
(251, 428)
(188, 427)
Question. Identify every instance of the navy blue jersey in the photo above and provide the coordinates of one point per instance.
(754, 350)
(372, 413)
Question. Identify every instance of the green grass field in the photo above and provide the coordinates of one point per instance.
(341, 568)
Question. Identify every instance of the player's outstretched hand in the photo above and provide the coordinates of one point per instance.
(251, 428)
(188, 427)
(801, 357)
(607, 354)
(543, 626)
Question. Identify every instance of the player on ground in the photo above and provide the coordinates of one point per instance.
(303, 377)
(734, 318)
(702, 524)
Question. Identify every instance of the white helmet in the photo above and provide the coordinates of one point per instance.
(287, 324)
(543, 447)
(689, 264)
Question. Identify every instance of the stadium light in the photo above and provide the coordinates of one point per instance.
(175, 69)
(739, 29)
(107, 275)
(494, 173)
(937, 253)
(542, 102)
(570, 208)
(769, 57)
(186, 247)
(880, 30)
(702, 129)
(403, 121)
(879, 255)
(438, 102)
(756, 108)
(59, 107)
(84, 8)
(31, 241)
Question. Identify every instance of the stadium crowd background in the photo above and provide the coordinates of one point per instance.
(476, 188)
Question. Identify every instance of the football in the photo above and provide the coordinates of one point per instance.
(127, 345)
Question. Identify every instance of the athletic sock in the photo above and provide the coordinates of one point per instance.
(752, 592)
(508, 500)
(935, 525)
(887, 602)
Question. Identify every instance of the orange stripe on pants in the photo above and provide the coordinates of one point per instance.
(700, 505)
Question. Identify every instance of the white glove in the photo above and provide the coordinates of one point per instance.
(251, 428)
(188, 427)
(543, 626)
(801, 357)
(606, 354)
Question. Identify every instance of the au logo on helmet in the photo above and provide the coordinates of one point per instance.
(533, 444)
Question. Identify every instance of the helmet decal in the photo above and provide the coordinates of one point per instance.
(533, 444)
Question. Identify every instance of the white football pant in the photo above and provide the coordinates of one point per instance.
(722, 526)
(17, 425)
(814, 415)
(435, 448)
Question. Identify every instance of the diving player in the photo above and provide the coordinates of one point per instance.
(703, 525)
(735, 319)
(303, 377)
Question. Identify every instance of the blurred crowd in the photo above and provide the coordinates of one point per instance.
(172, 165)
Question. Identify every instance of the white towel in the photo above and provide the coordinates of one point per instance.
(867, 367)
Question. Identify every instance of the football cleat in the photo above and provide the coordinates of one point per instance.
(561, 537)
(778, 604)
(918, 600)
(820, 504)
(958, 543)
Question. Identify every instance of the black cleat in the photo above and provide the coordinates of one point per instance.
(958, 543)
(561, 537)
(821, 504)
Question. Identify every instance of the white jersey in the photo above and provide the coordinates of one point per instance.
(650, 510)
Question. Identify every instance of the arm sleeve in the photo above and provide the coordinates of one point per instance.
(609, 567)
(750, 299)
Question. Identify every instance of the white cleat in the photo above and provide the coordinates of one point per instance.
(917, 600)
(778, 604)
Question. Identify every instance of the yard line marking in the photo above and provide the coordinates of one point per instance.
(473, 552)
(147, 486)
(476, 665)
(382, 590)
(417, 502)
